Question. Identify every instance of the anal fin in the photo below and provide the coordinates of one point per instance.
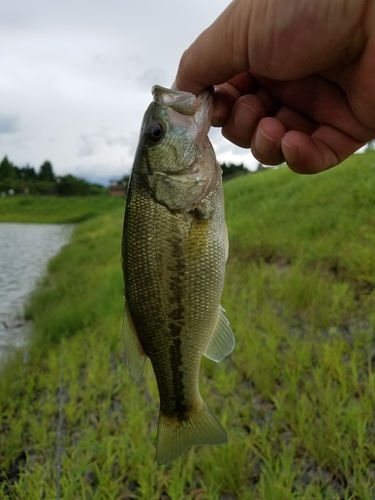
(222, 340)
(135, 356)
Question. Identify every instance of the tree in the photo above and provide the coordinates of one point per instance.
(25, 180)
(46, 172)
(28, 173)
(233, 169)
(7, 170)
(69, 185)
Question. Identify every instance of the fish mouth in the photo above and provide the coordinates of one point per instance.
(185, 103)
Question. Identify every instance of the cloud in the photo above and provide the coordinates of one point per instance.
(9, 124)
(227, 152)
(87, 147)
(99, 59)
(81, 80)
(152, 77)
(117, 141)
(100, 173)
(90, 143)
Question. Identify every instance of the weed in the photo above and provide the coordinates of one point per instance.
(296, 395)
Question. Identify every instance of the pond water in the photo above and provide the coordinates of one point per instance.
(25, 250)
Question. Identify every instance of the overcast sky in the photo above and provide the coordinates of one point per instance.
(76, 78)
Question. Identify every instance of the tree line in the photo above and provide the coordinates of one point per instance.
(231, 169)
(28, 180)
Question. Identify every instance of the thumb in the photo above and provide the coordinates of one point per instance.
(219, 53)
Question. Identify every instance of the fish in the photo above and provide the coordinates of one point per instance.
(174, 251)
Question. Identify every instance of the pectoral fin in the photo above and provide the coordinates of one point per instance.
(135, 356)
(222, 339)
(226, 241)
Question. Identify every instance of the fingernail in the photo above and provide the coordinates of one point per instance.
(263, 142)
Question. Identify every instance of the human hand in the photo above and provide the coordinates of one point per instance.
(294, 79)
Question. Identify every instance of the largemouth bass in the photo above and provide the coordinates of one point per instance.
(174, 252)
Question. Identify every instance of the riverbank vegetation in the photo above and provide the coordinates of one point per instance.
(56, 210)
(28, 180)
(296, 396)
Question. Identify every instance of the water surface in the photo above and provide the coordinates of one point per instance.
(25, 250)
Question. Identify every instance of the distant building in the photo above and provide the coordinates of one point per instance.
(117, 188)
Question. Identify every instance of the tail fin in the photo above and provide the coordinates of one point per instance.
(177, 436)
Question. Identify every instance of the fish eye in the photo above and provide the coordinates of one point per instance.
(155, 132)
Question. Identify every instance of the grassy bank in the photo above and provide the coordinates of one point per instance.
(55, 210)
(296, 396)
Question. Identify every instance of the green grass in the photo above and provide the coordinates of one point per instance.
(296, 396)
(55, 210)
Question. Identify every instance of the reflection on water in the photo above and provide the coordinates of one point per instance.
(25, 250)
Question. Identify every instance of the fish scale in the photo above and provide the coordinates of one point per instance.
(174, 260)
